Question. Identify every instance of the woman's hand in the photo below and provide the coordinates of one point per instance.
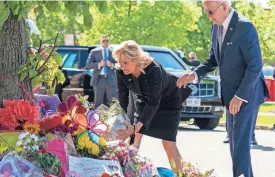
(124, 134)
(130, 130)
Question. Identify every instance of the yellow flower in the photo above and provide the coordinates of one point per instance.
(90, 150)
(95, 149)
(32, 128)
(81, 142)
(89, 145)
(86, 140)
(50, 136)
(102, 141)
(80, 146)
(18, 149)
(173, 163)
(3, 148)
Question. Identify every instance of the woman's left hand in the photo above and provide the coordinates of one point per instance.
(124, 134)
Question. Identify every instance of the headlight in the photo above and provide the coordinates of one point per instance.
(194, 89)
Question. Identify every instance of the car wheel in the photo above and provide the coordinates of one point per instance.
(208, 124)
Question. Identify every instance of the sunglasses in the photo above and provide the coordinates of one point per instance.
(212, 12)
(105, 40)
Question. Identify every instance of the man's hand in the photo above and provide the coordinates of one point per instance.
(235, 105)
(109, 64)
(185, 79)
(102, 63)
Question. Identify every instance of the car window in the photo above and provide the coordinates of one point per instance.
(71, 60)
(168, 61)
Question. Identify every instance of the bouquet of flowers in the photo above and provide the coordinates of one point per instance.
(133, 165)
(114, 117)
(26, 156)
(190, 171)
(89, 144)
(17, 112)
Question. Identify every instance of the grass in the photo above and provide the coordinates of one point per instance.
(267, 108)
(268, 120)
(261, 120)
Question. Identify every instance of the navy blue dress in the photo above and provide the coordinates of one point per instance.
(158, 100)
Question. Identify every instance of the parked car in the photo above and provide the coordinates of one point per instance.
(203, 105)
(269, 72)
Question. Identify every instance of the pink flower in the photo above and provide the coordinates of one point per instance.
(72, 174)
(122, 144)
(128, 174)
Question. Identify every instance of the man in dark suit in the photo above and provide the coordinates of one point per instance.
(235, 49)
(104, 75)
(193, 61)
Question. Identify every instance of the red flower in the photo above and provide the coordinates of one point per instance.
(18, 110)
(105, 175)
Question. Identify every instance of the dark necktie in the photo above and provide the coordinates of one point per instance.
(220, 38)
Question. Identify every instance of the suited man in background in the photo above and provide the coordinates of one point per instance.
(104, 75)
(193, 61)
(236, 51)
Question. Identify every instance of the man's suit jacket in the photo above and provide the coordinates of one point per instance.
(240, 62)
(93, 61)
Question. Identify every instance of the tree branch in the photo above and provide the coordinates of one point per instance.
(45, 62)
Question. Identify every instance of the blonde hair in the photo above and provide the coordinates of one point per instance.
(130, 50)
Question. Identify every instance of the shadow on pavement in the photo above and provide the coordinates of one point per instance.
(263, 148)
(196, 129)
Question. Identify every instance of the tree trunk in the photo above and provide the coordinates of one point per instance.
(13, 53)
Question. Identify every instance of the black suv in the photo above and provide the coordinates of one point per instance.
(203, 105)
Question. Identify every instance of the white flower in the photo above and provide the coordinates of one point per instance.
(22, 136)
(28, 140)
(19, 143)
(34, 137)
(24, 143)
(36, 147)
(29, 148)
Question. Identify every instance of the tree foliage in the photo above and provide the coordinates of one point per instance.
(264, 21)
(173, 24)
(160, 23)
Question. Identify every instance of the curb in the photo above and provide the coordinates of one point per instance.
(258, 127)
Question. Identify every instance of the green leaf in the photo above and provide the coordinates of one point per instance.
(60, 77)
(58, 60)
(32, 73)
(23, 76)
(36, 81)
(34, 63)
(14, 6)
(88, 18)
(4, 13)
(21, 69)
(102, 6)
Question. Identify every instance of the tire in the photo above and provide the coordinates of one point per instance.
(207, 124)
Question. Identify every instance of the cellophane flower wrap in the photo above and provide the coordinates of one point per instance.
(114, 117)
